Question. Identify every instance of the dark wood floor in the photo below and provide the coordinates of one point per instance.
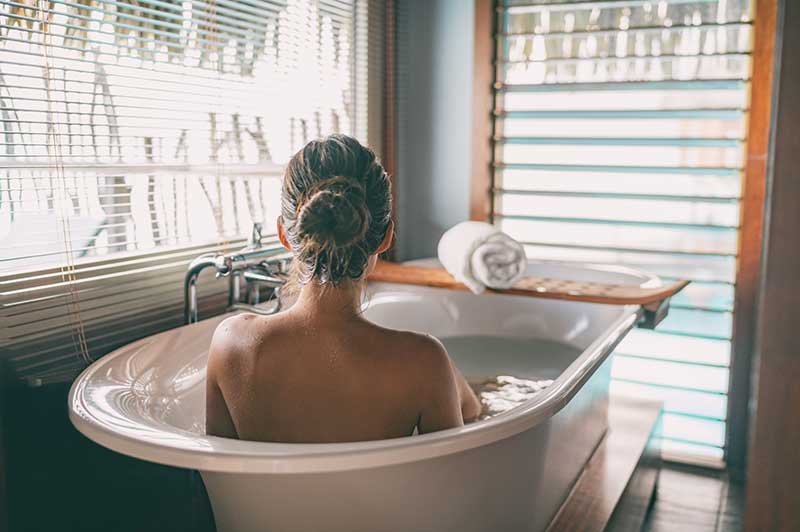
(694, 500)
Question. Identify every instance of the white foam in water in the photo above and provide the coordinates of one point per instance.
(504, 392)
(506, 372)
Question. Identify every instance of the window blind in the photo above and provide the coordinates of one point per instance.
(620, 129)
(139, 135)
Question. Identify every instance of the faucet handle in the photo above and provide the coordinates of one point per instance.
(224, 265)
(255, 235)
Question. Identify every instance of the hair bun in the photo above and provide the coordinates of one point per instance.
(336, 209)
(336, 216)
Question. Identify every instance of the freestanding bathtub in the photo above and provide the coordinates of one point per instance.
(510, 472)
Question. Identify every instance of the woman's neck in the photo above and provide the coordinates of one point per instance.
(327, 302)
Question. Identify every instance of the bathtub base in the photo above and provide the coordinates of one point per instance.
(515, 484)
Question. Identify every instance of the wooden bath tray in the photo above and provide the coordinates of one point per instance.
(545, 287)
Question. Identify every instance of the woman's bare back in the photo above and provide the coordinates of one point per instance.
(295, 377)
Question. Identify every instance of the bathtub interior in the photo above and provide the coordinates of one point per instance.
(156, 386)
(466, 318)
(448, 314)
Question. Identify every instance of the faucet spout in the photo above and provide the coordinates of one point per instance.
(257, 264)
(190, 285)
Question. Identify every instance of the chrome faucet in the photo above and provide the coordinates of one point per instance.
(257, 264)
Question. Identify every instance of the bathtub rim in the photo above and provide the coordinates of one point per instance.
(237, 456)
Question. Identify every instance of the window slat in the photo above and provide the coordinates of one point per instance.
(680, 85)
(619, 138)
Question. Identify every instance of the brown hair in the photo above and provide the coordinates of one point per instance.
(336, 207)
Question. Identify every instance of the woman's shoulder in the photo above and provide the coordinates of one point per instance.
(239, 335)
(425, 342)
(421, 349)
(232, 328)
(421, 361)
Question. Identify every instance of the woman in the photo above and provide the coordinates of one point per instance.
(320, 372)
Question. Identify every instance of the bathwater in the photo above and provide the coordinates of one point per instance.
(506, 372)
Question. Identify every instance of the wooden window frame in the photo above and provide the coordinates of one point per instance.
(388, 141)
(483, 99)
(751, 231)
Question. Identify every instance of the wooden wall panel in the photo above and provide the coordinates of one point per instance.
(773, 491)
(750, 233)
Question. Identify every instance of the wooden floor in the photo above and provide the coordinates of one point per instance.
(694, 500)
(617, 484)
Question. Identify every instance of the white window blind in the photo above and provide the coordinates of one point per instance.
(138, 135)
(620, 139)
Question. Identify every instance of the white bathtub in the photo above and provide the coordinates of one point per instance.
(510, 472)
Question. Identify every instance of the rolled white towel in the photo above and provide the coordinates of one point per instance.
(480, 255)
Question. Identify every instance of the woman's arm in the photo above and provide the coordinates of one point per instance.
(470, 404)
(455, 402)
(218, 418)
(440, 407)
